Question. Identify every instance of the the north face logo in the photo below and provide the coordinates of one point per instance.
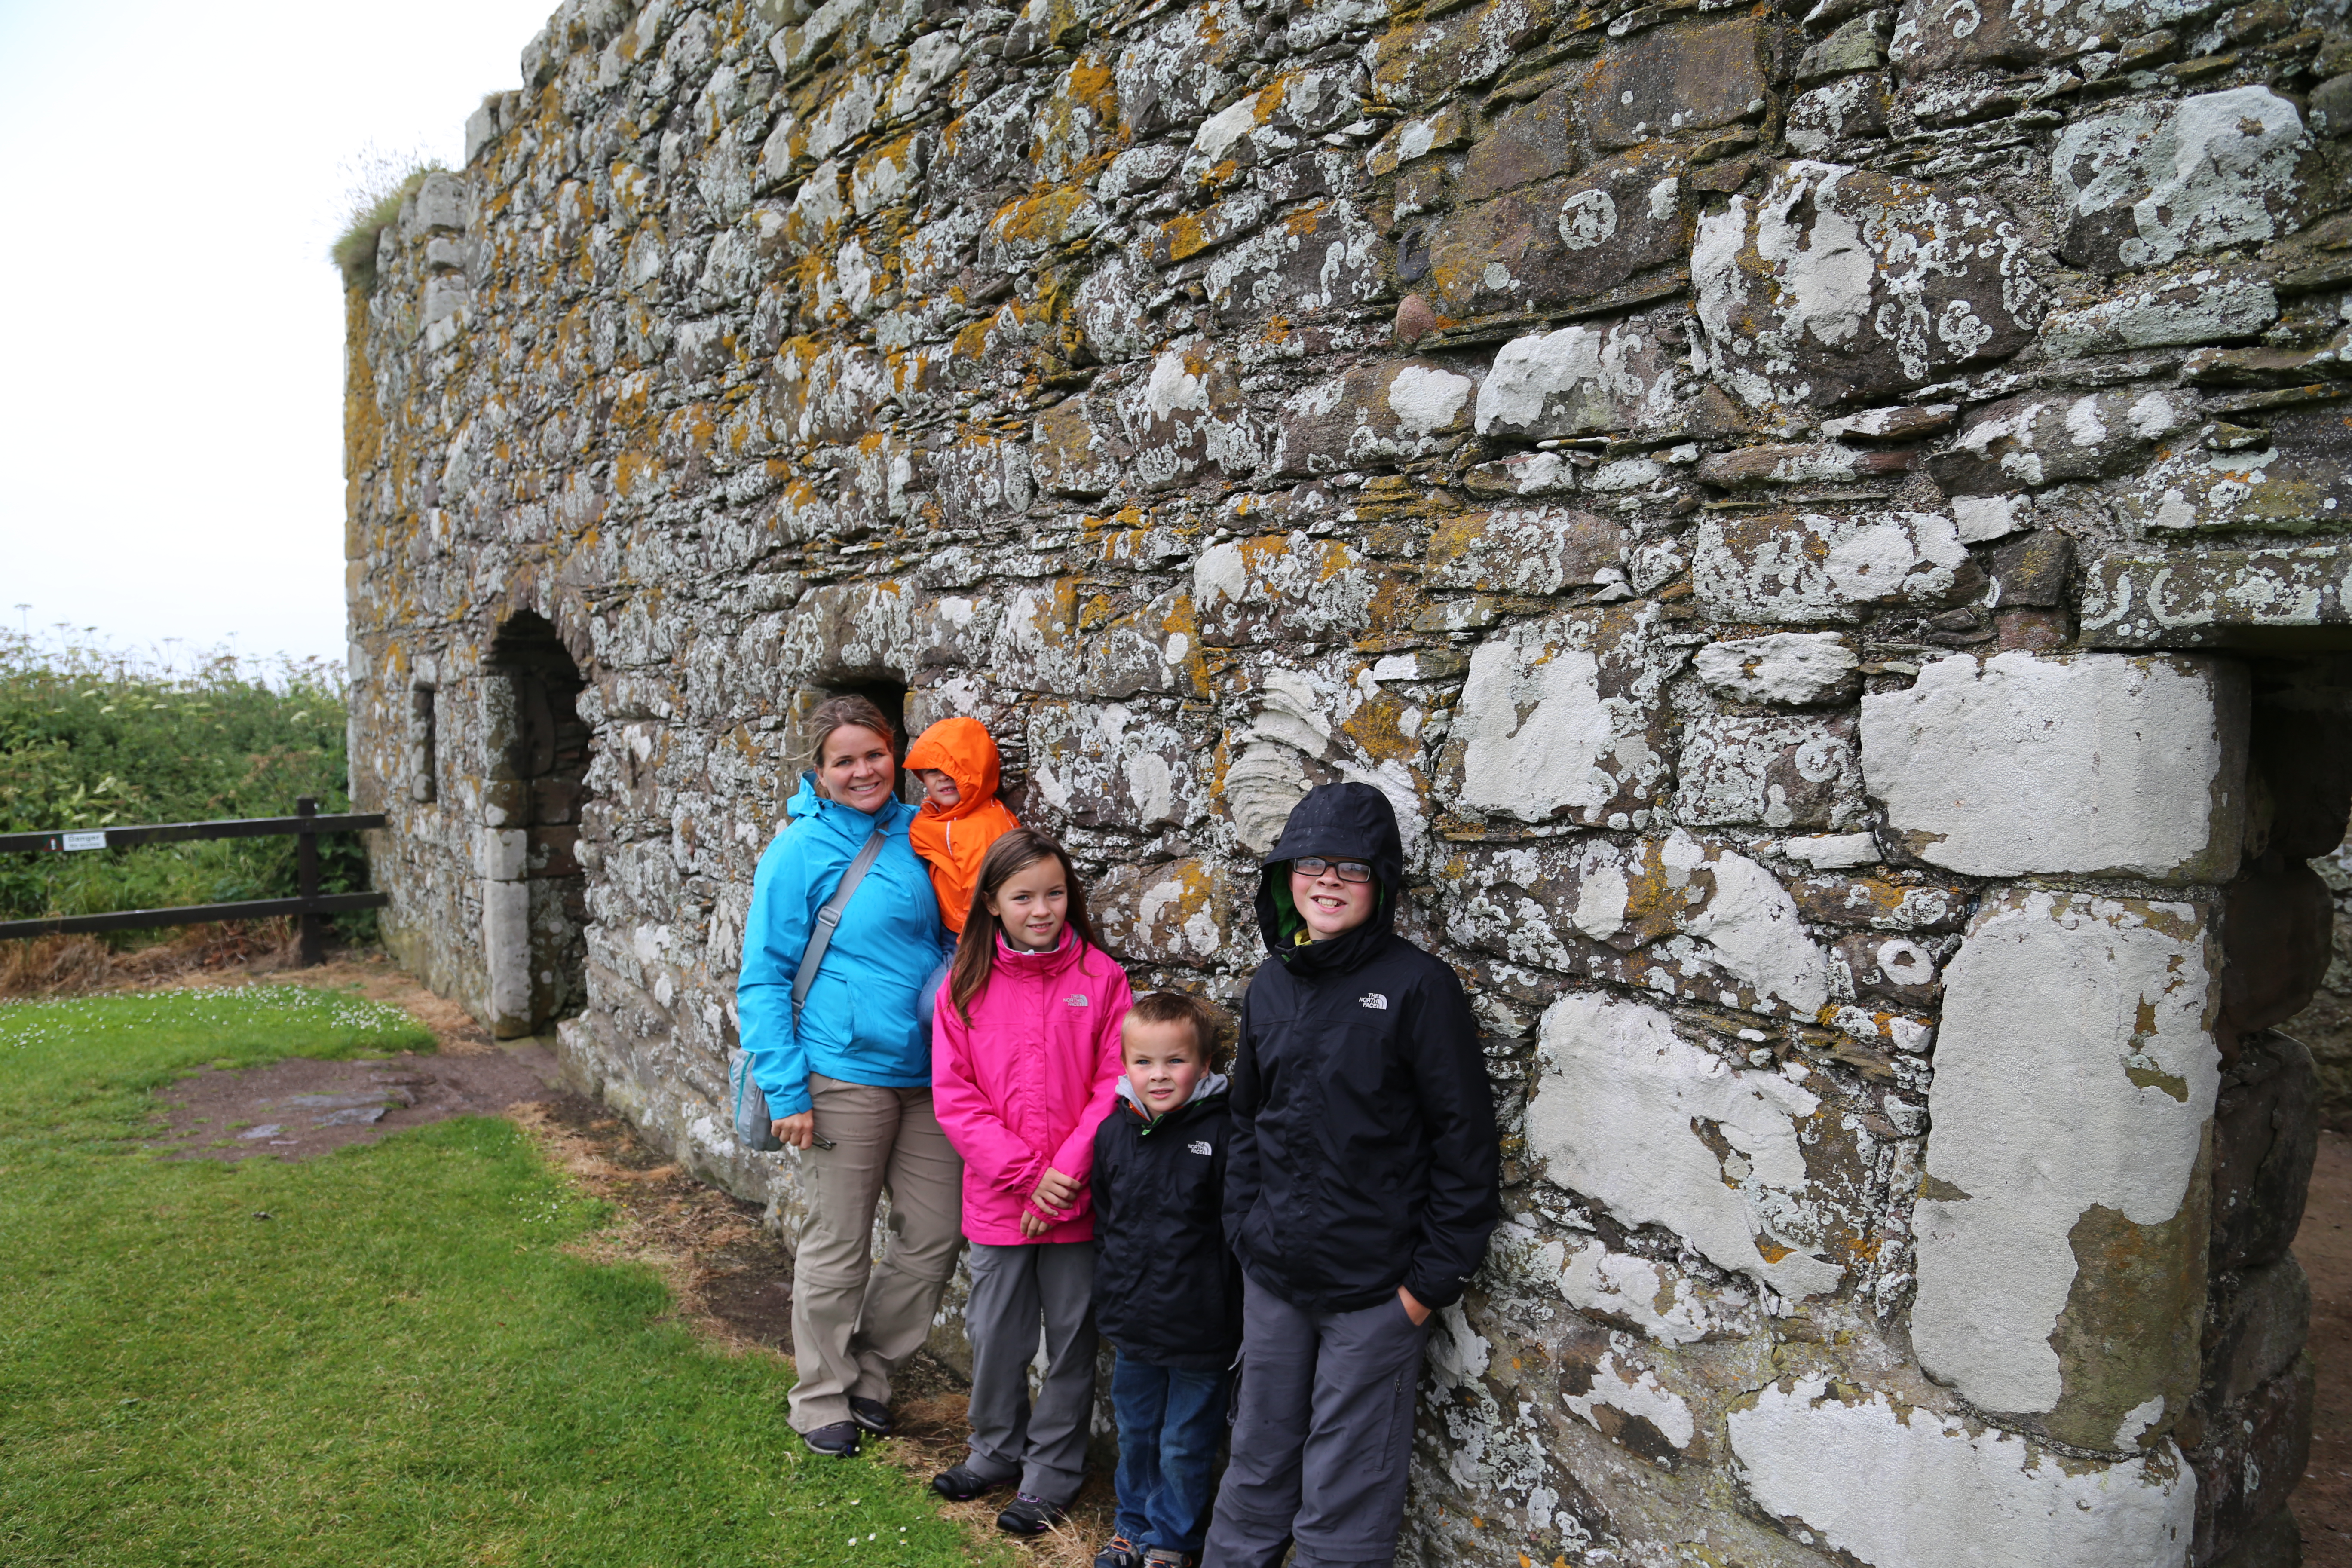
(1079, 999)
(1374, 999)
(1200, 1146)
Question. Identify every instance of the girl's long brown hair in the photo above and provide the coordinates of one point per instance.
(975, 955)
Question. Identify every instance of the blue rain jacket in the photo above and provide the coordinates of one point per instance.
(860, 1024)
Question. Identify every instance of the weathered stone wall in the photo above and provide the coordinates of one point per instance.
(1826, 523)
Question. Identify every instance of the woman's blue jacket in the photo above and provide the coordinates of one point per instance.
(860, 1024)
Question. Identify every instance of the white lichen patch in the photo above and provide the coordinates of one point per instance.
(1900, 1486)
(2099, 762)
(1658, 1131)
(2154, 182)
(2101, 1101)
(1794, 667)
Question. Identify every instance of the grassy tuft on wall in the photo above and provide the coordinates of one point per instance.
(375, 205)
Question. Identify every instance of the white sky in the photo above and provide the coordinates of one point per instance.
(171, 360)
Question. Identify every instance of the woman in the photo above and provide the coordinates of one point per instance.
(849, 1080)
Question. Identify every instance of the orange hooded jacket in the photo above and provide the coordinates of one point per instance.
(954, 840)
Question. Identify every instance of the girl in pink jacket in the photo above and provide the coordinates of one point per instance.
(1025, 1066)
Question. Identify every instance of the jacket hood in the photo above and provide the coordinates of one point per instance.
(964, 751)
(1202, 1092)
(843, 821)
(1337, 821)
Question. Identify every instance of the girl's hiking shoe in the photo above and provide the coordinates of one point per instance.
(870, 1415)
(962, 1483)
(1028, 1515)
(1118, 1552)
(835, 1441)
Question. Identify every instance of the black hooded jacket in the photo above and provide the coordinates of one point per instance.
(1364, 1152)
(1167, 1290)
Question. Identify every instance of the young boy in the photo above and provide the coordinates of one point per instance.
(1167, 1293)
(1361, 1193)
(955, 761)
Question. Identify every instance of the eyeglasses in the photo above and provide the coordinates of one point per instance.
(1350, 870)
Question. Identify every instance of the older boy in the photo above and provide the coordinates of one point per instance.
(1361, 1192)
(1167, 1294)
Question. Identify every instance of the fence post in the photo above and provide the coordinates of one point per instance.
(305, 862)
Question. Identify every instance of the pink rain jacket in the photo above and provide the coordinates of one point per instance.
(1022, 1088)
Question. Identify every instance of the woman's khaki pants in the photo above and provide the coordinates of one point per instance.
(853, 1320)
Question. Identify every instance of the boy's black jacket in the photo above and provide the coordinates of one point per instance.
(1364, 1146)
(1167, 1290)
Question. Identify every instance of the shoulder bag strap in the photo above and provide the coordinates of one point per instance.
(829, 917)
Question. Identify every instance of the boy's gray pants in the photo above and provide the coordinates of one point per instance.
(1013, 1290)
(1322, 1435)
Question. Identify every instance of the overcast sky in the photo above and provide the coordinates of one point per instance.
(171, 390)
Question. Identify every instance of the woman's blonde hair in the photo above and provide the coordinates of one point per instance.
(840, 713)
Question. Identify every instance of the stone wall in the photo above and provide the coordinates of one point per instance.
(1825, 523)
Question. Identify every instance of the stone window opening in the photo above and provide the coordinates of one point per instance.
(534, 894)
(424, 759)
(886, 693)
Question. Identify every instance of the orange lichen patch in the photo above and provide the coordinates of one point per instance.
(1377, 729)
(1045, 219)
(1184, 236)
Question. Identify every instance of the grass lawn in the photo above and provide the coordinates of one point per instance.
(383, 1356)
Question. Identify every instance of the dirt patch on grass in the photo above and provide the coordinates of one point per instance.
(2323, 1502)
(299, 1109)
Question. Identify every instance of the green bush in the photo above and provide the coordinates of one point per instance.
(91, 738)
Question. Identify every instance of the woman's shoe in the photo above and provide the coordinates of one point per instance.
(835, 1441)
(962, 1483)
(1028, 1515)
(871, 1415)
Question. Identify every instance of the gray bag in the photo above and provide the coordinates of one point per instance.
(753, 1126)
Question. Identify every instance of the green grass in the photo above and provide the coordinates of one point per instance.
(400, 1364)
(374, 209)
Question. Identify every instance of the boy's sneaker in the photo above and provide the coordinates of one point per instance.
(962, 1483)
(835, 1441)
(1029, 1515)
(871, 1415)
(1118, 1552)
(1160, 1557)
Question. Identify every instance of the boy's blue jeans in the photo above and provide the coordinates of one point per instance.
(1168, 1425)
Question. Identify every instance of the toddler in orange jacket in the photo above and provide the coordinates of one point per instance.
(956, 760)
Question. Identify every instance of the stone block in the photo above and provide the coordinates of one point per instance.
(1539, 551)
(1840, 284)
(1583, 378)
(1795, 772)
(1890, 969)
(2331, 107)
(1529, 142)
(2274, 1541)
(2257, 1330)
(1185, 417)
(2212, 597)
(1180, 912)
(1858, 44)
(2033, 570)
(1565, 718)
(1562, 242)
(2156, 182)
(2300, 480)
(1817, 566)
(1806, 463)
(1461, 49)
(1276, 587)
(1632, 1113)
(1076, 449)
(2251, 1459)
(500, 854)
(1108, 766)
(1825, 1457)
(506, 955)
(2027, 442)
(1327, 257)
(1929, 37)
(2069, 1292)
(2266, 1142)
(2201, 306)
(1372, 415)
(2094, 764)
(1853, 106)
(1648, 1296)
(1666, 81)
(1796, 668)
(1677, 916)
